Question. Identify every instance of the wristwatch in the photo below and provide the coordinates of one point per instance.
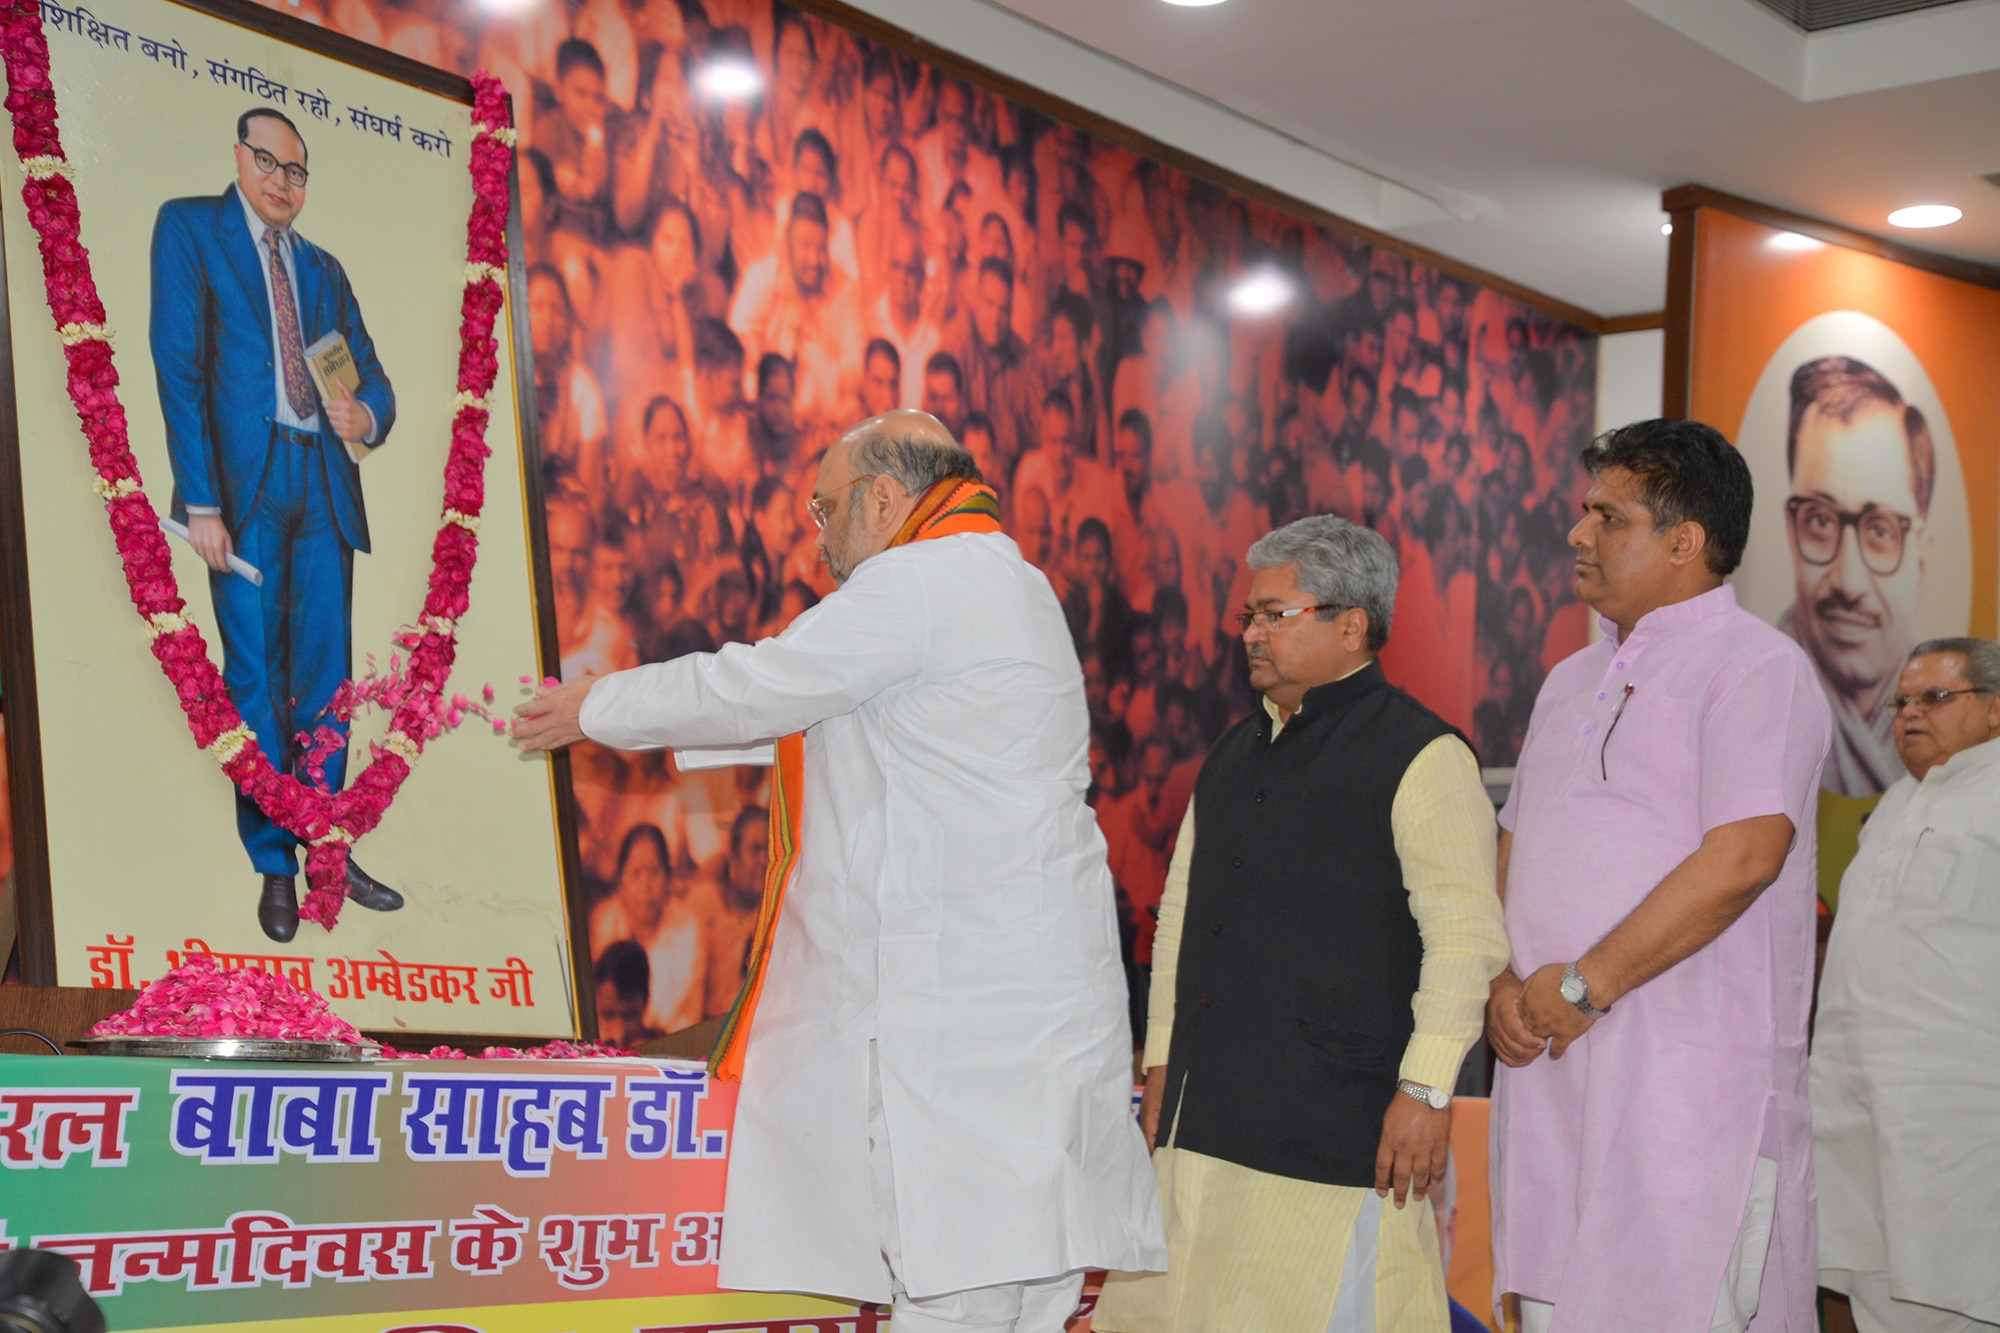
(1435, 1098)
(1577, 991)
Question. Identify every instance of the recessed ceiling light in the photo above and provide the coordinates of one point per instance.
(729, 79)
(1791, 240)
(1925, 215)
(1193, 4)
(1666, 229)
(1261, 292)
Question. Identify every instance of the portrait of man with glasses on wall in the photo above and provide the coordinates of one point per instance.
(266, 465)
(1863, 470)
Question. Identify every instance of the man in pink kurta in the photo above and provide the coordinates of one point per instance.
(1652, 1171)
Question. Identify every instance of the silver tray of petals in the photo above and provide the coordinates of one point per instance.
(233, 1048)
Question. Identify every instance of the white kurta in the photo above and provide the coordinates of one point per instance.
(1906, 1051)
(951, 902)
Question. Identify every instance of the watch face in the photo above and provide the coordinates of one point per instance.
(1438, 1098)
(1573, 989)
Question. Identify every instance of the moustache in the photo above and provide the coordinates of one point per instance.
(1836, 603)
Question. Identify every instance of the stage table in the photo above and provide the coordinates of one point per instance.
(432, 1196)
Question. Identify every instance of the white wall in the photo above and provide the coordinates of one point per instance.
(1002, 40)
(1630, 373)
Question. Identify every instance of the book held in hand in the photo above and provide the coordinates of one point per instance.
(329, 361)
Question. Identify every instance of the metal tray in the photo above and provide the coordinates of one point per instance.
(233, 1048)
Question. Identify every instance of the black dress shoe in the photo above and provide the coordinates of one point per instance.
(370, 892)
(278, 908)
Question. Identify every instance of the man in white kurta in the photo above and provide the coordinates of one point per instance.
(1906, 1050)
(946, 965)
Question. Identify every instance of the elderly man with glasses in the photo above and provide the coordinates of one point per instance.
(1327, 935)
(933, 1040)
(1906, 1051)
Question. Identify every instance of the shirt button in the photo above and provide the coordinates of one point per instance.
(1586, 731)
(1260, 798)
(1205, 1002)
(1600, 696)
(1215, 929)
(1621, 666)
(1236, 861)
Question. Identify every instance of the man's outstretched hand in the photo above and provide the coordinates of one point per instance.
(549, 720)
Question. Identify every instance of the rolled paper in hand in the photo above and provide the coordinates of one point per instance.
(757, 754)
(237, 563)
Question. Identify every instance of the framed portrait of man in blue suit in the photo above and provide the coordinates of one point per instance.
(276, 217)
(264, 467)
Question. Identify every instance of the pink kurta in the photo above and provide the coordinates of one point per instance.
(1621, 1172)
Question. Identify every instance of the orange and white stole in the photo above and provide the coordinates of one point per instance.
(951, 506)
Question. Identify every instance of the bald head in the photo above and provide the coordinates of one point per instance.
(902, 423)
(910, 446)
(886, 463)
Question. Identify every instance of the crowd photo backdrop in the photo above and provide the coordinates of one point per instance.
(148, 857)
(749, 226)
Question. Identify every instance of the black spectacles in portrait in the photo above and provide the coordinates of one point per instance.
(1819, 527)
(295, 173)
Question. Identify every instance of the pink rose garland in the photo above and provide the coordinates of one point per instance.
(328, 822)
(199, 999)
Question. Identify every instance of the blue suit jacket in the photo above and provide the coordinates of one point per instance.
(214, 354)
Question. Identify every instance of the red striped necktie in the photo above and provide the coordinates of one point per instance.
(291, 343)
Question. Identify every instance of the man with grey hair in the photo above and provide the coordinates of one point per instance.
(1905, 1139)
(1326, 940)
(936, 1104)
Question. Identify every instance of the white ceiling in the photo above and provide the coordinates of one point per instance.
(1545, 130)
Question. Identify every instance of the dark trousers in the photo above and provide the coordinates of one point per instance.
(286, 645)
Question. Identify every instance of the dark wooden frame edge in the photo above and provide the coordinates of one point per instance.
(1685, 197)
(27, 809)
(28, 806)
(1679, 354)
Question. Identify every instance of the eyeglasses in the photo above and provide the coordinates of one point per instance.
(1270, 620)
(295, 174)
(1818, 529)
(818, 505)
(1927, 700)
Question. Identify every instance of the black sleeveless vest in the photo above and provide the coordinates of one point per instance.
(1299, 955)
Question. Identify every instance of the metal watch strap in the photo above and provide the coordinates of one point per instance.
(1582, 987)
(1423, 1094)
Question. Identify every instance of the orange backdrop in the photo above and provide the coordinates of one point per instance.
(1749, 297)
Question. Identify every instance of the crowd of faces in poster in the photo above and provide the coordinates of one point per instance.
(749, 228)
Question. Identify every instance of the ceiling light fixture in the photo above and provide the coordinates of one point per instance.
(1791, 240)
(729, 80)
(1925, 215)
(1261, 292)
(1666, 229)
(1194, 4)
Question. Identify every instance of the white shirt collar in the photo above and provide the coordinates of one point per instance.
(1969, 760)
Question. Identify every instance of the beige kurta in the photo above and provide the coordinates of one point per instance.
(1252, 1252)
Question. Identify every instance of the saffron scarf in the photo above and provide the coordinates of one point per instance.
(950, 506)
